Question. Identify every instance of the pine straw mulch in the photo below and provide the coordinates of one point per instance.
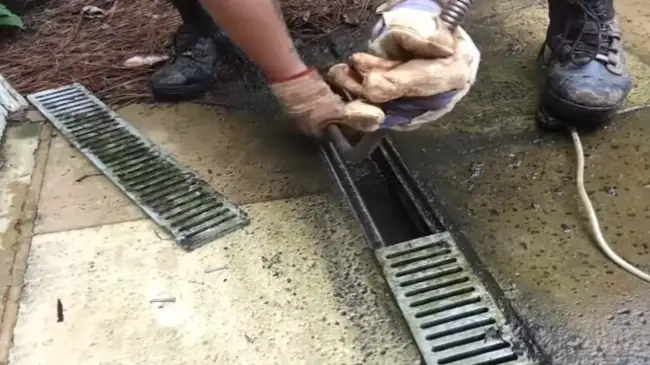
(62, 44)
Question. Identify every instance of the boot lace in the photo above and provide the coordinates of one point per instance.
(185, 44)
(595, 39)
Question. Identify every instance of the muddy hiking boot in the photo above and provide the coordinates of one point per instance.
(191, 69)
(587, 78)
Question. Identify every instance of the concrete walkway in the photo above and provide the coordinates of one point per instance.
(297, 286)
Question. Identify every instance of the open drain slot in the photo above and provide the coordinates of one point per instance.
(187, 207)
(452, 317)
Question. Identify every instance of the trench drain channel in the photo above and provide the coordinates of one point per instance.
(187, 207)
(452, 317)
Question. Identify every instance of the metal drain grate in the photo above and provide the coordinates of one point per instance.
(452, 317)
(173, 197)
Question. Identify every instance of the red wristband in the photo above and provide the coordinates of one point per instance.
(293, 77)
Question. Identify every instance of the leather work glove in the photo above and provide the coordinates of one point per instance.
(415, 69)
(310, 101)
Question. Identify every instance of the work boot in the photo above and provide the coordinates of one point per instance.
(191, 69)
(587, 78)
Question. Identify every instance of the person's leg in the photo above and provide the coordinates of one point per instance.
(587, 79)
(195, 56)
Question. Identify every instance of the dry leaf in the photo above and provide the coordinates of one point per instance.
(139, 61)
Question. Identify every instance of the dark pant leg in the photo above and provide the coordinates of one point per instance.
(193, 14)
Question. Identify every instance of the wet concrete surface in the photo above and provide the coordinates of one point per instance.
(511, 190)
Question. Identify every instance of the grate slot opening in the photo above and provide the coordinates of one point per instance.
(211, 208)
(147, 174)
(59, 95)
(76, 108)
(200, 219)
(463, 328)
(114, 146)
(92, 122)
(421, 258)
(143, 187)
(80, 116)
(438, 297)
(54, 99)
(117, 160)
(118, 141)
(99, 133)
(183, 206)
(165, 183)
(426, 267)
(99, 137)
(472, 353)
(96, 131)
(197, 230)
(436, 275)
(183, 219)
(127, 153)
(137, 171)
(171, 193)
(414, 250)
(447, 307)
(433, 287)
(183, 201)
(121, 164)
(455, 317)
(79, 113)
(457, 343)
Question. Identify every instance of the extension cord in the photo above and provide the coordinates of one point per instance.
(593, 218)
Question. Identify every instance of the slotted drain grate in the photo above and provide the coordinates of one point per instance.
(173, 197)
(452, 317)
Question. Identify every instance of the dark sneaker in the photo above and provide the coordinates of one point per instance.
(191, 69)
(587, 78)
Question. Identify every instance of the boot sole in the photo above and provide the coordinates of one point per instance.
(567, 114)
(181, 93)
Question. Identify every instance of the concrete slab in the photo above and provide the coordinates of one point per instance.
(298, 286)
(511, 190)
(244, 156)
(15, 178)
(16, 175)
(632, 15)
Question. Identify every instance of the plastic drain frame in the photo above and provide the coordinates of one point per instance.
(187, 207)
(453, 319)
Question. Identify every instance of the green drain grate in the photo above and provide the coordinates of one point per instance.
(451, 315)
(187, 207)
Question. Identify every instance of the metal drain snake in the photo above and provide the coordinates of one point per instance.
(596, 231)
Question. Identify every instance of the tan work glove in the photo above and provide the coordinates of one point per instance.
(414, 72)
(310, 101)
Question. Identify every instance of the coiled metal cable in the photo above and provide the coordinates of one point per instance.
(454, 12)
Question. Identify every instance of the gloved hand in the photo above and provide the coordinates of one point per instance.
(310, 101)
(414, 72)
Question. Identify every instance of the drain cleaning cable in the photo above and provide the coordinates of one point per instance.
(596, 231)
